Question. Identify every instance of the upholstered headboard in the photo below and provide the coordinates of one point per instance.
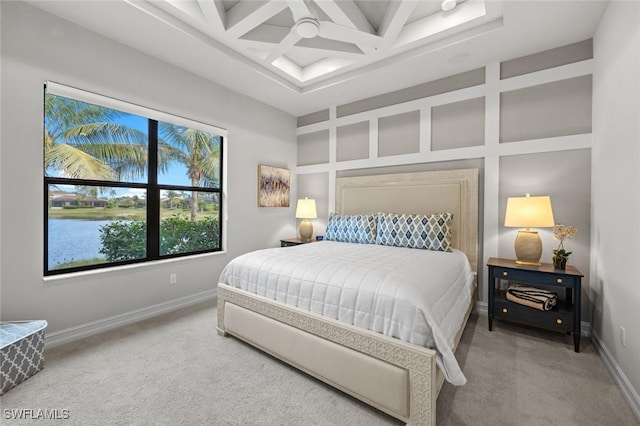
(431, 192)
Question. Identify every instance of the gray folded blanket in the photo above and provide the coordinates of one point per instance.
(537, 298)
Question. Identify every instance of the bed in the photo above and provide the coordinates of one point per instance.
(401, 378)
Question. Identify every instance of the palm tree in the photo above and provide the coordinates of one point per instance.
(171, 195)
(83, 141)
(199, 151)
(84, 192)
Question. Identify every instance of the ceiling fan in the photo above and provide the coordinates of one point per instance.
(308, 26)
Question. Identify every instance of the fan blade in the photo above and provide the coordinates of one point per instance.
(347, 35)
(287, 43)
(299, 9)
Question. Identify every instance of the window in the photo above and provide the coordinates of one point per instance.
(126, 184)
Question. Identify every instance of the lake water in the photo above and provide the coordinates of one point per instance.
(74, 239)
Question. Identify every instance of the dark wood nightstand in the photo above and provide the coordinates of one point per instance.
(288, 242)
(565, 316)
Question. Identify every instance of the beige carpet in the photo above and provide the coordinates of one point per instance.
(175, 370)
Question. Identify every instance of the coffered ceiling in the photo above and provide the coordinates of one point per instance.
(307, 42)
(305, 55)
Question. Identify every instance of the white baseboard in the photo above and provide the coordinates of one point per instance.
(482, 308)
(94, 327)
(628, 392)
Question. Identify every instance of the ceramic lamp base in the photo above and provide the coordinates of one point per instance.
(528, 247)
(306, 230)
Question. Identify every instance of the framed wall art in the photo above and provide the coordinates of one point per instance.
(273, 186)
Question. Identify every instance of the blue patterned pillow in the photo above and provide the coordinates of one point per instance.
(352, 228)
(431, 232)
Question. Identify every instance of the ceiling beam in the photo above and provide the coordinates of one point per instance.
(214, 14)
(248, 14)
(268, 33)
(267, 36)
(287, 43)
(348, 14)
(394, 20)
(299, 9)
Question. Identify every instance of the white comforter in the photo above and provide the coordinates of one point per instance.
(418, 296)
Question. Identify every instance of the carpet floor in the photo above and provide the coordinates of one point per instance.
(175, 370)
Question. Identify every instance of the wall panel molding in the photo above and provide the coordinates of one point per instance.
(490, 90)
(489, 152)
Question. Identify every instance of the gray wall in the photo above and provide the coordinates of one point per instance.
(565, 177)
(615, 242)
(559, 108)
(548, 59)
(446, 131)
(399, 134)
(36, 47)
(430, 88)
(313, 148)
(352, 141)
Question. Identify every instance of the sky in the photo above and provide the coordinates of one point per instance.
(177, 173)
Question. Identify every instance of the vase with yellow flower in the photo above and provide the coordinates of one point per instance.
(560, 255)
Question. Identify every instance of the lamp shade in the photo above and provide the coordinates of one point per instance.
(529, 212)
(306, 209)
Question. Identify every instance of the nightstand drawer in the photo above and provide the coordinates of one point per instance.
(552, 320)
(532, 276)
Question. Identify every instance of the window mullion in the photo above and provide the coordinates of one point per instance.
(153, 195)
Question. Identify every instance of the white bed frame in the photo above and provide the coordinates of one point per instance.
(407, 381)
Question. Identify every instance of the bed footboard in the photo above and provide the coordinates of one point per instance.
(405, 384)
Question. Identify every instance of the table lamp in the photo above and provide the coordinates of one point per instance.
(305, 210)
(529, 212)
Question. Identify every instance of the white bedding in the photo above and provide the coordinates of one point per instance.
(419, 296)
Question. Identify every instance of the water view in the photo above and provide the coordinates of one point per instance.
(74, 239)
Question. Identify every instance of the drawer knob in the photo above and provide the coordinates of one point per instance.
(504, 310)
(559, 321)
(559, 280)
(505, 273)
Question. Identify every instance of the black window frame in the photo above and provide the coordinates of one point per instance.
(153, 191)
